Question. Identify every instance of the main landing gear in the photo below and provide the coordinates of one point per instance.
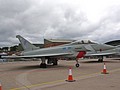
(43, 64)
(100, 59)
(52, 61)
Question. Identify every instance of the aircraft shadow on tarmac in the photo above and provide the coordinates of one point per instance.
(33, 67)
(91, 62)
(113, 61)
(117, 59)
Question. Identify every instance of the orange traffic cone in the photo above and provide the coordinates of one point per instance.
(70, 78)
(104, 71)
(0, 86)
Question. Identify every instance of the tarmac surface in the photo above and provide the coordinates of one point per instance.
(26, 75)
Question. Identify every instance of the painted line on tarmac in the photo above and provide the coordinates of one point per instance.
(36, 85)
(63, 81)
(95, 74)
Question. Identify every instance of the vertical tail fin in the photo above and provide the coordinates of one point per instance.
(27, 46)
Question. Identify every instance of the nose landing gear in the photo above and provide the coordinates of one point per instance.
(77, 64)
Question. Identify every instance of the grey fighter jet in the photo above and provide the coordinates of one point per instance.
(101, 53)
(77, 49)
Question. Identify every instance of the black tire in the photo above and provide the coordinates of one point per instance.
(100, 60)
(77, 65)
(43, 65)
(55, 62)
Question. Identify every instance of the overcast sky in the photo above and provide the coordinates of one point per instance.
(98, 20)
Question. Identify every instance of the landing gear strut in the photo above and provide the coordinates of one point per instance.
(100, 59)
(77, 64)
(53, 61)
(43, 64)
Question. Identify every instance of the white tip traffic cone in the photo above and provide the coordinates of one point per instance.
(70, 78)
(104, 71)
(0, 86)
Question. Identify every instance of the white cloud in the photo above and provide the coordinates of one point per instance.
(75, 19)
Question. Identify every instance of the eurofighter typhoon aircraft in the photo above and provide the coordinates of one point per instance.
(75, 49)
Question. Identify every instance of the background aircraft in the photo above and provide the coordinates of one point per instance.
(100, 54)
(3, 54)
(75, 49)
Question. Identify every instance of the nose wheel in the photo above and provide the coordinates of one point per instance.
(77, 65)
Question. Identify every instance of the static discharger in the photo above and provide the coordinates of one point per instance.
(70, 77)
(104, 71)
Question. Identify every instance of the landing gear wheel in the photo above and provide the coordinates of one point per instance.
(100, 60)
(43, 65)
(77, 65)
(55, 62)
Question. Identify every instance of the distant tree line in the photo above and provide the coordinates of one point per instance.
(6, 49)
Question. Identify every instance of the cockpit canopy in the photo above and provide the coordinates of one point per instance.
(83, 42)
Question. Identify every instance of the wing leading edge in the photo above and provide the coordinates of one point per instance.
(100, 54)
(36, 56)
